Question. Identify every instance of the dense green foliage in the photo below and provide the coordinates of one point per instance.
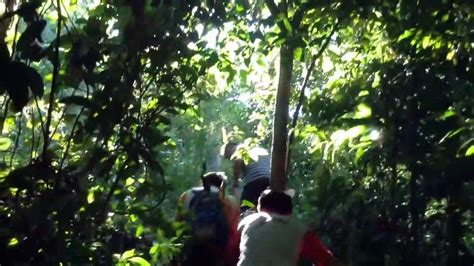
(110, 108)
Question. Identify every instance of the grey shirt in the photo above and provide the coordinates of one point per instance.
(270, 239)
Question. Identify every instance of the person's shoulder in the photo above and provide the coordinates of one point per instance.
(231, 201)
(257, 150)
(298, 225)
(185, 194)
(252, 219)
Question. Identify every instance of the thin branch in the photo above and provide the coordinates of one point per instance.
(158, 110)
(69, 18)
(40, 116)
(54, 82)
(308, 75)
(17, 140)
(5, 113)
(45, 9)
(62, 116)
(160, 201)
(275, 11)
(8, 15)
(298, 16)
(283, 6)
(14, 39)
(32, 134)
(112, 188)
(73, 128)
(302, 90)
(70, 137)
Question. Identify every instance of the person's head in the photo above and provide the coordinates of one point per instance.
(275, 202)
(228, 149)
(213, 179)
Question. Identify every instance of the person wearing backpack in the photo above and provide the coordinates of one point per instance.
(255, 174)
(273, 237)
(212, 220)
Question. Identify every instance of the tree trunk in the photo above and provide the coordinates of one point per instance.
(279, 171)
(414, 214)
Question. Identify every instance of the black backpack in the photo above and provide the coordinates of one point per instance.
(208, 220)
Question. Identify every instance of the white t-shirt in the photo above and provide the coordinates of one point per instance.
(270, 239)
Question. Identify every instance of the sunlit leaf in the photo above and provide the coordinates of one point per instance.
(426, 42)
(13, 242)
(139, 230)
(154, 249)
(129, 181)
(287, 25)
(90, 197)
(359, 153)
(127, 254)
(406, 34)
(470, 151)
(299, 54)
(452, 134)
(139, 261)
(246, 203)
(5, 143)
(363, 111)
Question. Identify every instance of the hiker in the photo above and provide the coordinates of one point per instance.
(212, 218)
(255, 175)
(273, 237)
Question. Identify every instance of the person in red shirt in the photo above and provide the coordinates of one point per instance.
(273, 237)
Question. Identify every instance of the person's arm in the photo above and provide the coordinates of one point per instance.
(232, 212)
(237, 167)
(315, 251)
(181, 208)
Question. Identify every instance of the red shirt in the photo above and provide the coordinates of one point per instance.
(314, 250)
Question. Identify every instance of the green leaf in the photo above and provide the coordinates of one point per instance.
(452, 134)
(90, 197)
(139, 230)
(35, 81)
(470, 151)
(363, 111)
(246, 203)
(240, 9)
(139, 261)
(5, 143)
(30, 36)
(79, 100)
(406, 34)
(448, 113)
(13, 242)
(445, 17)
(359, 153)
(28, 10)
(299, 54)
(128, 254)
(129, 181)
(426, 42)
(17, 78)
(287, 25)
(154, 249)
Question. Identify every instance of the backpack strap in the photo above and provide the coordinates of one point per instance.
(197, 196)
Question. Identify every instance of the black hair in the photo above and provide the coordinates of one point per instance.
(228, 149)
(212, 179)
(276, 202)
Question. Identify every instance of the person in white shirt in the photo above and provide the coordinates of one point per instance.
(273, 237)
